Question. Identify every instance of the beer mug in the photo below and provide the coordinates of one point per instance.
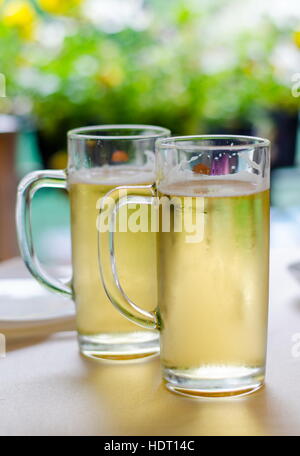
(99, 159)
(211, 200)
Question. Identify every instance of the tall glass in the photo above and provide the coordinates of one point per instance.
(212, 205)
(100, 158)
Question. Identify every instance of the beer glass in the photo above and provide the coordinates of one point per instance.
(211, 200)
(99, 158)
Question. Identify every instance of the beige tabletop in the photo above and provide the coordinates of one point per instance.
(47, 388)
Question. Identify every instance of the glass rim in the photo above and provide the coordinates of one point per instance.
(175, 142)
(83, 132)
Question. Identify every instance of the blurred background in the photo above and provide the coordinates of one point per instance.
(194, 66)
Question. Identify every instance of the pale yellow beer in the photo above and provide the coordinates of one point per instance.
(213, 263)
(101, 158)
(213, 294)
(137, 272)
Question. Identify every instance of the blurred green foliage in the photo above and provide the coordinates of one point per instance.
(178, 70)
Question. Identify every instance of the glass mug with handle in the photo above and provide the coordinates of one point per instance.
(99, 158)
(211, 200)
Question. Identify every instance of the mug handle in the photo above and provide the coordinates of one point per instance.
(106, 252)
(26, 190)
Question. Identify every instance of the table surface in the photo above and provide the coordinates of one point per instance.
(47, 388)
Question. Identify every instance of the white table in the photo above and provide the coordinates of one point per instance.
(47, 388)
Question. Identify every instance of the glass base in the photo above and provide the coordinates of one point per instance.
(214, 381)
(122, 346)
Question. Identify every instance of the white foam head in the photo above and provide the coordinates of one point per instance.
(113, 175)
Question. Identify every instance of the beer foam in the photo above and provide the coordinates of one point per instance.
(113, 175)
(215, 186)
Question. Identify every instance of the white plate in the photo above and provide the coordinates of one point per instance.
(28, 308)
